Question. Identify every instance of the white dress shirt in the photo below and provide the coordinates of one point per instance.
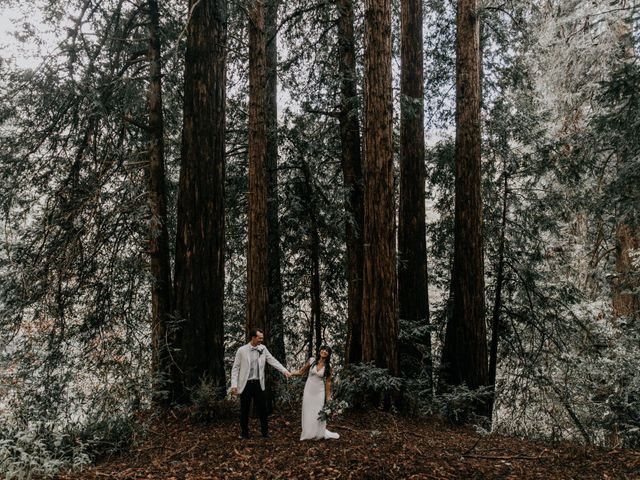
(254, 368)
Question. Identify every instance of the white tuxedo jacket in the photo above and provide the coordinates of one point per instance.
(241, 366)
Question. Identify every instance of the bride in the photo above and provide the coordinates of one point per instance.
(317, 390)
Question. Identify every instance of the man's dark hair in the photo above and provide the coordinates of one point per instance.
(254, 332)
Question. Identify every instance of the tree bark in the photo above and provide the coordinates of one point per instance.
(314, 253)
(379, 302)
(353, 181)
(274, 326)
(199, 274)
(497, 306)
(412, 243)
(464, 354)
(310, 331)
(161, 288)
(257, 266)
(626, 301)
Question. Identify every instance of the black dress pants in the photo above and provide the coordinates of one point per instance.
(253, 390)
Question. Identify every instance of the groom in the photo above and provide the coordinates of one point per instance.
(247, 379)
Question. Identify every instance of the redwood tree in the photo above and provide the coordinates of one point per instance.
(257, 272)
(379, 314)
(352, 174)
(412, 244)
(161, 289)
(199, 263)
(626, 300)
(500, 279)
(464, 355)
(274, 324)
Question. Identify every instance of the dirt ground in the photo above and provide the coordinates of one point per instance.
(376, 445)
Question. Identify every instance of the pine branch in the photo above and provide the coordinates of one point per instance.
(129, 119)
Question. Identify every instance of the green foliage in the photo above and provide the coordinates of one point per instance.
(74, 283)
(41, 449)
(458, 404)
(365, 385)
(332, 410)
(614, 385)
(309, 143)
(23, 453)
(210, 403)
(615, 132)
(563, 141)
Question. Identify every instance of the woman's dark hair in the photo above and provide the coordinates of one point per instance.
(327, 362)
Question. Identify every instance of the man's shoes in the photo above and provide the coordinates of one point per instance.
(266, 436)
(243, 437)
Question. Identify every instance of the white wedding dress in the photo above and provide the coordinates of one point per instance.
(312, 403)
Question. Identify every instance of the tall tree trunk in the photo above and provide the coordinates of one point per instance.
(353, 181)
(316, 301)
(626, 278)
(314, 253)
(316, 304)
(379, 313)
(310, 331)
(412, 243)
(497, 306)
(199, 274)
(464, 355)
(257, 271)
(626, 301)
(161, 289)
(274, 325)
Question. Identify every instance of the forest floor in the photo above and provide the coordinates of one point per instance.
(376, 445)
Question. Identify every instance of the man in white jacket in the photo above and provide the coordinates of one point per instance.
(247, 379)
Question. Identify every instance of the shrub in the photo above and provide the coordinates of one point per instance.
(363, 385)
(210, 403)
(41, 449)
(459, 403)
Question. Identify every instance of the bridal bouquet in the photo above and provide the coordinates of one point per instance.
(332, 409)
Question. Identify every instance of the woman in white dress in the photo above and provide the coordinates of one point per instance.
(317, 390)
